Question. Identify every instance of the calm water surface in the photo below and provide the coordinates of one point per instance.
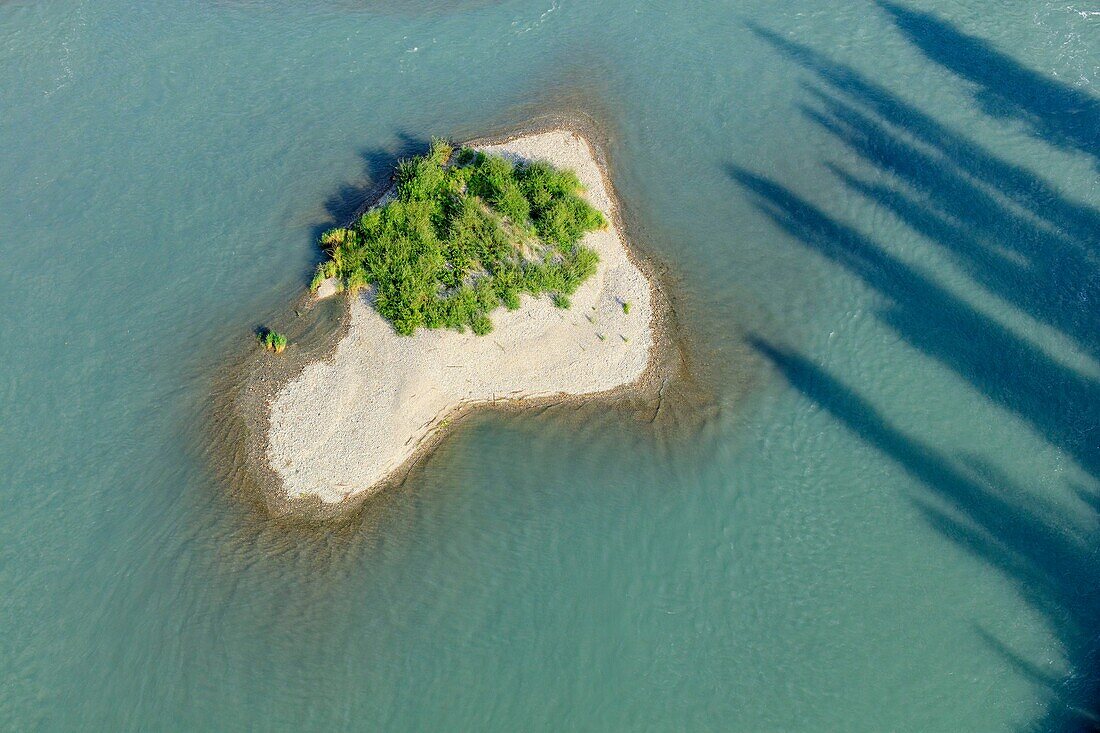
(875, 509)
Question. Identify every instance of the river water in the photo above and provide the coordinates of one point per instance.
(871, 507)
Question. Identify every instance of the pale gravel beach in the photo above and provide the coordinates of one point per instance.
(346, 424)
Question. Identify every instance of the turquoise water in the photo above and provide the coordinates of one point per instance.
(873, 509)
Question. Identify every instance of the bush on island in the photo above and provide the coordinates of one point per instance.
(467, 233)
(272, 340)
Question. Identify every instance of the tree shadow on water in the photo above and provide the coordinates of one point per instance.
(1015, 236)
(1058, 401)
(1015, 182)
(1061, 114)
(1052, 560)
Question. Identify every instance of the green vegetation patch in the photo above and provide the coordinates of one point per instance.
(272, 340)
(467, 232)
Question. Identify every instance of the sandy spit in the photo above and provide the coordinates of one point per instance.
(346, 425)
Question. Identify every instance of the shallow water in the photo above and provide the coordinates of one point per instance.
(875, 509)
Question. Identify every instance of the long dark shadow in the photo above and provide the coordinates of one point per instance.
(1063, 115)
(1036, 267)
(1017, 237)
(1058, 401)
(1017, 183)
(1050, 561)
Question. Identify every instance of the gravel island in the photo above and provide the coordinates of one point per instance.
(347, 425)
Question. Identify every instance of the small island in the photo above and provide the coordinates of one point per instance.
(491, 274)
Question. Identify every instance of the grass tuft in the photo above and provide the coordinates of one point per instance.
(272, 340)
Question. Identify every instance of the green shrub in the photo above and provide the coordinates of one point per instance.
(440, 150)
(465, 156)
(626, 306)
(356, 280)
(273, 340)
(480, 324)
(467, 233)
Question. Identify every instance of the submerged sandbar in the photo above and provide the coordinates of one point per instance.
(344, 426)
